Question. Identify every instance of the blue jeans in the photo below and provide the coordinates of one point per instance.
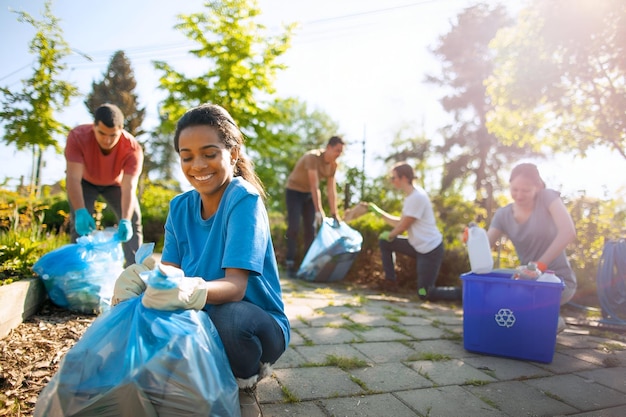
(249, 334)
(299, 208)
(428, 264)
(113, 196)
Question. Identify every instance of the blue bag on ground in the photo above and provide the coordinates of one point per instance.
(611, 282)
(135, 361)
(80, 276)
(331, 253)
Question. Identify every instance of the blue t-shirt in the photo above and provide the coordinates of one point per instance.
(236, 236)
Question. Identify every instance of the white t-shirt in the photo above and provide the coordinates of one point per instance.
(424, 235)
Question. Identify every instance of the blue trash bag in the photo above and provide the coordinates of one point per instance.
(80, 276)
(135, 361)
(331, 253)
(611, 282)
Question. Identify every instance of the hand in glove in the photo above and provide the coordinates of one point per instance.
(124, 230)
(385, 236)
(129, 284)
(319, 218)
(190, 293)
(83, 222)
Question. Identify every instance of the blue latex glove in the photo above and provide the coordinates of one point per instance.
(124, 230)
(83, 222)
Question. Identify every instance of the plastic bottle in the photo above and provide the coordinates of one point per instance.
(549, 276)
(481, 260)
(528, 272)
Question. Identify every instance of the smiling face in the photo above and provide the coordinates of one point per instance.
(205, 162)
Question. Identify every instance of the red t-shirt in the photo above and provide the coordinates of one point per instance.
(99, 169)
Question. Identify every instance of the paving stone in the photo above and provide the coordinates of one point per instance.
(563, 364)
(300, 409)
(605, 412)
(380, 334)
(328, 335)
(371, 319)
(290, 359)
(425, 332)
(317, 382)
(610, 377)
(452, 401)
(518, 399)
(506, 369)
(390, 377)
(368, 406)
(445, 347)
(579, 392)
(319, 353)
(450, 372)
(382, 352)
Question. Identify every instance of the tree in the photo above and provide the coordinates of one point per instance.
(238, 72)
(559, 77)
(28, 115)
(469, 150)
(117, 87)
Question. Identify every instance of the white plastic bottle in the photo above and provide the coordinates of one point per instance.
(549, 276)
(481, 260)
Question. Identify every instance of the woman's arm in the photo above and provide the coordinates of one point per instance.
(566, 231)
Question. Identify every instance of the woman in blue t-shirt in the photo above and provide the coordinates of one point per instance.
(538, 224)
(219, 235)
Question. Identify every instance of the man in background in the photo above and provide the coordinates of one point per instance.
(304, 197)
(104, 159)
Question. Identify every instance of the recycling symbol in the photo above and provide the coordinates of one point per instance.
(505, 318)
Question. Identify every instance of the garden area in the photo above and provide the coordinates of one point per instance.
(32, 351)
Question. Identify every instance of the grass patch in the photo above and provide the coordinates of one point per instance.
(325, 291)
(476, 382)
(344, 363)
(289, 396)
(429, 356)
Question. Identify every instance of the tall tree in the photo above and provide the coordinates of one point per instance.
(28, 115)
(560, 77)
(469, 150)
(237, 66)
(118, 87)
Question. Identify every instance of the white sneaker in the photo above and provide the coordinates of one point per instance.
(561, 326)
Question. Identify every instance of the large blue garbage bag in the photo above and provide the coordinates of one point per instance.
(80, 276)
(331, 253)
(135, 361)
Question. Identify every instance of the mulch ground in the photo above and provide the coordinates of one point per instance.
(30, 355)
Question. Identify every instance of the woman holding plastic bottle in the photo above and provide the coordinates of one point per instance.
(538, 224)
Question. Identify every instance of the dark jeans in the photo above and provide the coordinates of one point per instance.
(299, 208)
(427, 265)
(249, 334)
(113, 196)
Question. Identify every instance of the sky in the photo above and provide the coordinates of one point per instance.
(363, 62)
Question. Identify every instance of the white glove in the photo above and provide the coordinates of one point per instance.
(319, 217)
(190, 293)
(129, 284)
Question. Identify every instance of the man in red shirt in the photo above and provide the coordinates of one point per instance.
(104, 159)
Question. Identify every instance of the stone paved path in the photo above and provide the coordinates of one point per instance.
(359, 353)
